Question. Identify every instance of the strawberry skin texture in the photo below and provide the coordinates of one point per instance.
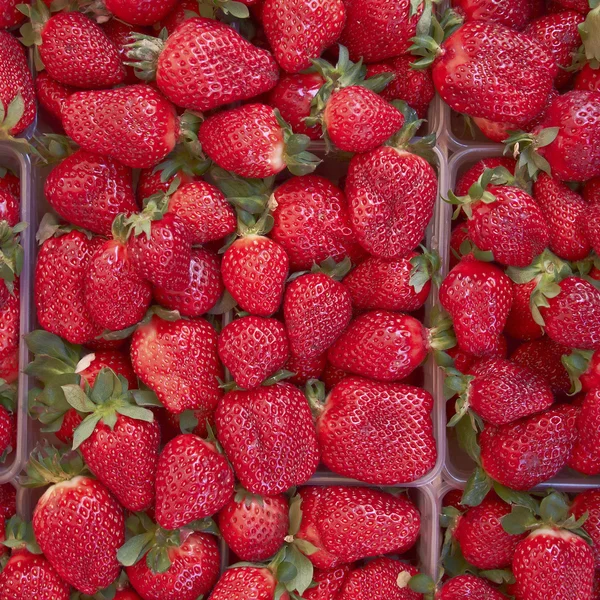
(51, 94)
(525, 453)
(8, 431)
(553, 563)
(586, 453)
(469, 177)
(126, 595)
(380, 433)
(515, 13)
(389, 218)
(588, 79)
(269, 437)
(253, 348)
(179, 361)
(133, 124)
(205, 64)
(518, 71)
(9, 15)
(381, 345)
(150, 182)
(79, 526)
(111, 359)
(76, 52)
(241, 583)
(15, 78)
(299, 31)
(255, 530)
(10, 209)
(591, 226)
(468, 587)
(589, 501)
(311, 222)
(10, 183)
(8, 496)
(254, 271)
(119, 33)
(305, 368)
(520, 324)
(317, 309)
(140, 12)
(203, 290)
(193, 481)
(10, 327)
(329, 583)
(89, 191)
(59, 293)
(194, 570)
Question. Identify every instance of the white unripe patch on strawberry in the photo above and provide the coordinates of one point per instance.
(58, 487)
(85, 362)
(403, 578)
(276, 158)
(556, 533)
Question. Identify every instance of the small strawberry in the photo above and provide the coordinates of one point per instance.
(586, 456)
(520, 323)
(51, 94)
(353, 443)
(515, 14)
(10, 182)
(254, 527)
(329, 583)
(472, 175)
(8, 420)
(268, 455)
(468, 586)
(136, 12)
(588, 502)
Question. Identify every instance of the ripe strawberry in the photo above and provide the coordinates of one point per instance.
(59, 287)
(146, 12)
(51, 94)
(203, 290)
(126, 595)
(8, 496)
(10, 182)
(17, 96)
(347, 524)
(311, 222)
(589, 502)
(588, 79)
(329, 583)
(586, 454)
(525, 453)
(178, 360)
(468, 586)
(401, 451)
(8, 421)
(292, 97)
(193, 481)
(331, 376)
(10, 14)
(184, 10)
(268, 455)
(239, 583)
(73, 49)
(305, 369)
(253, 349)
(116, 123)
(390, 219)
(10, 322)
(460, 245)
(414, 87)
(386, 36)
(472, 175)
(204, 64)
(591, 229)
(520, 323)
(515, 14)
(151, 182)
(253, 141)
(478, 296)
(254, 527)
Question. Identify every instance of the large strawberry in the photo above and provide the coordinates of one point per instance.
(205, 64)
(515, 13)
(269, 436)
(178, 360)
(354, 444)
(51, 94)
(586, 457)
(588, 502)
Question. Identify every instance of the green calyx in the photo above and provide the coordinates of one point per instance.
(49, 465)
(280, 375)
(576, 363)
(458, 384)
(38, 15)
(143, 54)
(52, 148)
(159, 311)
(589, 31)
(295, 155)
(315, 395)
(524, 148)
(441, 334)
(468, 247)
(425, 267)
(210, 9)
(19, 535)
(335, 270)
(9, 117)
(247, 498)
(105, 401)
(11, 253)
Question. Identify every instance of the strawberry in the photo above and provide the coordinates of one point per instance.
(61, 267)
(254, 527)
(515, 14)
(184, 10)
(10, 14)
(460, 245)
(151, 182)
(386, 346)
(268, 455)
(478, 296)
(292, 97)
(329, 583)
(468, 587)
(520, 323)
(8, 496)
(9, 182)
(311, 222)
(126, 595)
(588, 79)
(299, 31)
(347, 524)
(146, 12)
(178, 360)
(591, 229)
(583, 367)
(77, 523)
(73, 49)
(51, 94)
(586, 457)
(17, 96)
(472, 175)
(400, 285)
(89, 191)
(203, 290)
(305, 369)
(239, 583)
(355, 445)
(204, 64)
(386, 36)
(253, 141)
(115, 123)
(253, 349)
(8, 420)
(331, 376)
(9, 335)
(588, 503)
(193, 481)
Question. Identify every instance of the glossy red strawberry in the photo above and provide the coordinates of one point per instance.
(144, 12)
(589, 502)
(515, 14)
(520, 323)
(586, 457)
(305, 369)
(591, 229)
(10, 322)
(51, 94)
(468, 587)
(9, 14)
(588, 79)
(240, 583)
(119, 33)
(329, 583)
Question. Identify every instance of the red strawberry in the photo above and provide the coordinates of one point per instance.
(253, 141)
(468, 587)
(311, 222)
(472, 175)
(586, 454)
(355, 443)
(126, 595)
(589, 502)
(74, 50)
(8, 421)
(478, 296)
(184, 10)
(292, 97)
(515, 14)
(588, 79)
(151, 182)
(193, 481)
(205, 64)
(317, 309)
(414, 87)
(388, 218)
(144, 12)
(458, 237)
(254, 527)
(299, 31)
(332, 376)
(591, 228)
(203, 290)
(520, 323)
(583, 367)
(253, 349)
(89, 191)
(244, 582)
(59, 287)
(305, 369)
(10, 182)
(386, 36)
(178, 360)
(17, 96)
(269, 455)
(51, 94)
(254, 270)
(116, 123)
(9, 14)
(525, 453)
(329, 583)
(8, 495)
(9, 335)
